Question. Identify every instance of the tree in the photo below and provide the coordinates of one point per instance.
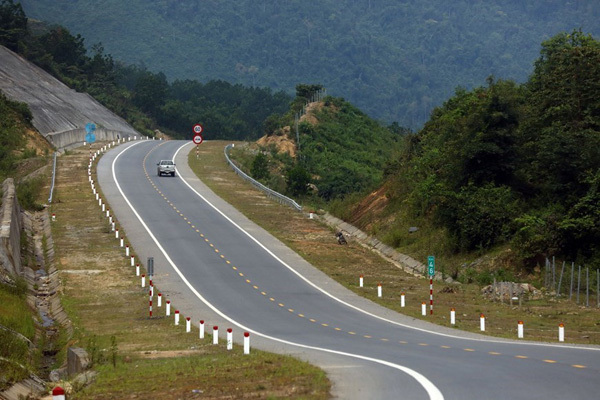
(561, 130)
(260, 167)
(13, 24)
(306, 91)
(150, 92)
(297, 180)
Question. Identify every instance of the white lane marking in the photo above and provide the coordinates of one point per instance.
(433, 392)
(484, 340)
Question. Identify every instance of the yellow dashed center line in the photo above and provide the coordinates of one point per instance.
(291, 309)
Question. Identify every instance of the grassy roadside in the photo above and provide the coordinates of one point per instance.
(136, 356)
(316, 243)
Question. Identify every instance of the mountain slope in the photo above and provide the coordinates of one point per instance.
(394, 60)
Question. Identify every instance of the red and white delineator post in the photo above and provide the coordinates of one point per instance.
(58, 393)
(361, 281)
(246, 342)
(379, 290)
(176, 317)
(423, 309)
(402, 300)
(561, 332)
(201, 328)
(215, 334)
(188, 324)
(229, 339)
(168, 308)
(520, 329)
(482, 323)
(431, 295)
(452, 316)
(150, 303)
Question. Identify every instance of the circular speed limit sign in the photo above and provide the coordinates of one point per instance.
(198, 129)
(197, 139)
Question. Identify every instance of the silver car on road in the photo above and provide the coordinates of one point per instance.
(166, 167)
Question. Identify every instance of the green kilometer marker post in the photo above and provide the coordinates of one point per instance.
(431, 272)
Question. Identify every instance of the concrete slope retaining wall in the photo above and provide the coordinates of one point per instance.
(56, 108)
(10, 230)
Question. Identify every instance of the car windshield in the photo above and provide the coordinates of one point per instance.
(166, 162)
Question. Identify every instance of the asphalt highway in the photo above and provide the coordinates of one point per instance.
(216, 265)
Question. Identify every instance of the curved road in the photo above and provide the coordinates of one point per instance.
(216, 265)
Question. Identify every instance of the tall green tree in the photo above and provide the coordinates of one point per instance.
(13, 25)
(561, 131)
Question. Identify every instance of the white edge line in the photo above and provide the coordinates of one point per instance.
(358, 308)
(433, 392)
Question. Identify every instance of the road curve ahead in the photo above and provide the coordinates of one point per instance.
(214, 260)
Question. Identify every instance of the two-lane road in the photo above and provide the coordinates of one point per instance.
(211, 257)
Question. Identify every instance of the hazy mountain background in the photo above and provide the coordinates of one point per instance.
(395, 60)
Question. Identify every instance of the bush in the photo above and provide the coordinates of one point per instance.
(28, 193)
(479, 217)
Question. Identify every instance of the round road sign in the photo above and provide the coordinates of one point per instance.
(197, 138)
(198, 128)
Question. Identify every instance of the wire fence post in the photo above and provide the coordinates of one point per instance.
(572, 275)
(553, 273)
(587, 286)
(546, 273)
(578, 283)
(562, 271)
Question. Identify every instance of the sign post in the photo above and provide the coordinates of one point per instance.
(431, 273)
(197, 136)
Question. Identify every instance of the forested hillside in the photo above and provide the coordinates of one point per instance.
(393, 59)
(144, 98)
(506, 165)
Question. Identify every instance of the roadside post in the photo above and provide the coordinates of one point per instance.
(431, 273)
(197, 136)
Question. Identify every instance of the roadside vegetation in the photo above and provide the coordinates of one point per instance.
(18, 357)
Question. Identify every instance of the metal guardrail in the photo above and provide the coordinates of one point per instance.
(53, 179)
(269, 192)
